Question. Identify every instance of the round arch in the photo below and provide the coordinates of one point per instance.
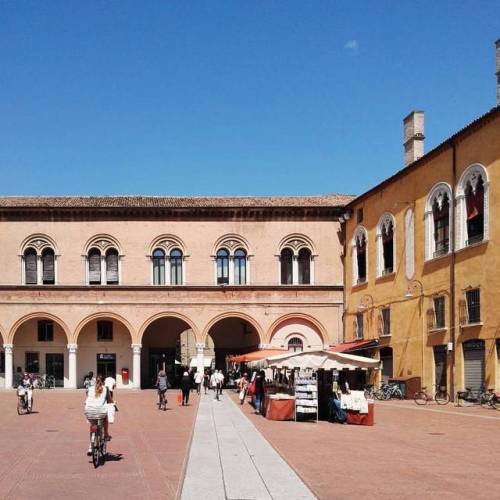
(37, 315)
(104, 315)
(39, 242)
(234, 314)
(3, 335)
(296, 242)
(317, 325)
(170, 314)
(103, 242)
(231, 242)
(167, 242)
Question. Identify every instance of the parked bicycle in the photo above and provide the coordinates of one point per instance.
(441, 397)
(491, 400)
(471, 397)
(44, 381)
(98, 443)
(389, 391)
(370, 391)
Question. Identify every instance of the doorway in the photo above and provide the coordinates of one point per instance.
(387, 364)
(106, 365)
(440, 366)
(54, 365)
(161, 359)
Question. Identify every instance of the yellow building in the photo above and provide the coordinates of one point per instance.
(422, 265)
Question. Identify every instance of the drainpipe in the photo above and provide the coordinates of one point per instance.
(343, 228)
(452, 270)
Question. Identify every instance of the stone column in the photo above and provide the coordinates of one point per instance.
(200, 365)
(9, 364)
(136, 366)
(72, 348)
(295, 270)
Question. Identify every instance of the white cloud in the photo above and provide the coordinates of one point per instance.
(351, 45)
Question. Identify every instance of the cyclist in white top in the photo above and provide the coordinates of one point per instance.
(95, 406)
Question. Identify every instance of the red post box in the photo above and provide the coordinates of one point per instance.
(125, 375)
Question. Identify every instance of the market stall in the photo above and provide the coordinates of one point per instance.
(305, 394)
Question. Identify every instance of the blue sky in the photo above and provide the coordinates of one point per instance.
(231, 97)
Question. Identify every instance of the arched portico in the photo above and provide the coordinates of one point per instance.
(168, 341)
(306, 328)
(38, 343)
(104, 342)
(232, 333)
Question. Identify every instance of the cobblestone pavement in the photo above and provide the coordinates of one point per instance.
(411, 452)
(43, 455)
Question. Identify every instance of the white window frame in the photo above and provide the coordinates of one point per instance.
(385, 220)
(354, 255)
(436, 194)
(471, 174)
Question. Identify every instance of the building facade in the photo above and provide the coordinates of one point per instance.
(118, 284)
(421, 263)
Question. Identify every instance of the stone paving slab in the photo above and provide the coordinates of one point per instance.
(230, 460)
(43, 455)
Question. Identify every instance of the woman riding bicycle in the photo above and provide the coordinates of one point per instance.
(95, 406)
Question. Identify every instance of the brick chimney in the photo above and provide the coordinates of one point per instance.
(413, 136)
(497, 43)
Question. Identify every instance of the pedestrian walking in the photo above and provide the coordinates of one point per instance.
(198, 379)
(206, 381)
(162, 386)
(259, 391)
(243, 387)
(185, 388)
(213, 383)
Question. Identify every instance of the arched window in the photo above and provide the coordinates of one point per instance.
(304, 266)
(295, 344)
(472, 206)
(30, 267)
(94, 263)
(385, 245)
(158, 267)
(222, 266)
(112, 267)
(48, 267)
(240, 267)
(176, 267)
(359, 256)
(474, 201)
(437, 221)
(286, 259)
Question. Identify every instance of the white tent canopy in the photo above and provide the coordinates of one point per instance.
(317, 359)
(207, 362)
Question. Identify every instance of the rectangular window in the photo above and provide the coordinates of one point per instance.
(439, 319)
(473, 306)
(386, 321)
(32, 363)
(45, 331)
(104, 331)
(359, 326)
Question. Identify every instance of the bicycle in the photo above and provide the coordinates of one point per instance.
(440, 396)
(97, 442)
(370, 391)
(491, 400)
(389, 391)
(24, 406)
(470, 397)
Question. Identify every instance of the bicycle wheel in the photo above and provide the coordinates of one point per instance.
(397, 393)
(96, 451)
(496, 403)
(420, 398)
(20, 407)
(442, 398)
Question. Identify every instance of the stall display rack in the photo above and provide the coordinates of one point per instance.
(306, 397)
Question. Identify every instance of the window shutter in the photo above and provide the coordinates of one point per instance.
(30, 260)
(95, 268)
(48, 274)
(112, 268)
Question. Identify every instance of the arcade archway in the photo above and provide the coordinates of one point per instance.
(168, 343)
(232, 335)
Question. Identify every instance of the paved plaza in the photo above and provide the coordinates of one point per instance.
(411, 452)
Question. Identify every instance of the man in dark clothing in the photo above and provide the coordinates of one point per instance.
(185, 388)
(259, 390)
